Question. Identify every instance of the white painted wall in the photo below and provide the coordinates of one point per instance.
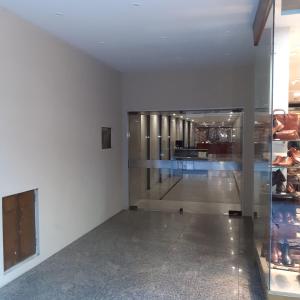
(54, 100)
(214, 87)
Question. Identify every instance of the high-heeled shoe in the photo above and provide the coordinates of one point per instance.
(294, 150)
(289, 218)
(286, 162)
(277, 160)
(290, 188)
(285, 249)
(295, 157)
(278, 218)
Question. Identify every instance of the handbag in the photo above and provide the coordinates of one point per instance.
(289, 121)
(287, 135)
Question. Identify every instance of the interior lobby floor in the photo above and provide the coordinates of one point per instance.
(149, 255)
(210, 186)
(208, 192)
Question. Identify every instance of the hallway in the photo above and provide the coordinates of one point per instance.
(149, 255)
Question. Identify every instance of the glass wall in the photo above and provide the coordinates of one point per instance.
(189, 160)
(263, 146)
(277, 151)
(285, 220)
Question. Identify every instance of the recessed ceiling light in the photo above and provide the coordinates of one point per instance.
(59, 13)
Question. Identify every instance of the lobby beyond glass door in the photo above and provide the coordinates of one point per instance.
(189, 160)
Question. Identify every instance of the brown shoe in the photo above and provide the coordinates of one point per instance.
(286, 162)
(277, 160)
(294, 150)
(290, 188)
(295, 157)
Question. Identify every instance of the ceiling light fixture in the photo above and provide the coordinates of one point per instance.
(59, 14)
(174, 115)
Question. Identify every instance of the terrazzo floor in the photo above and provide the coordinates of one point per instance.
(149, 255)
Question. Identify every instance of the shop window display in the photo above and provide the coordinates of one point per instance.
(277, 228)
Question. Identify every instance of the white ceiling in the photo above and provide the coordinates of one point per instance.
(148, 34)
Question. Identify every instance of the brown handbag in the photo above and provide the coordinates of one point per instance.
(287, 135)
(290, 121)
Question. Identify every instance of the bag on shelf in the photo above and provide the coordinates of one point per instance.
(285, 121)
(287, 135)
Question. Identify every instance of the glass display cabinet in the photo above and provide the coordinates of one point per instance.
(277, 151)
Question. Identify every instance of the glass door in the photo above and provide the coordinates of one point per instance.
(189, 160)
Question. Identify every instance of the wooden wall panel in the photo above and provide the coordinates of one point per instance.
(27, 225)
(10, 231)
(19, 234)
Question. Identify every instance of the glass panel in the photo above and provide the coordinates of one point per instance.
(188, 160)
(285, 221)
(263, 146)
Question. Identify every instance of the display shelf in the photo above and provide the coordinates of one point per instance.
(277, 140)
(286, 198)
(278, 196)
(290, 167)
(286, 268)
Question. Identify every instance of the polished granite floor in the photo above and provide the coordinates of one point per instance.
(149, 255)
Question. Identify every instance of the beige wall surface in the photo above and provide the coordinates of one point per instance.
(54, 100)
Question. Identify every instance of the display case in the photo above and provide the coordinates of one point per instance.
(277, 152)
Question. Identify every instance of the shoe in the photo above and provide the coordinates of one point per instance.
(278, 218)
(289, 218)
(286, 162)
(277, 177)
(294, 150)
(280, 188)
(290, 188)
(295, 157)
(274, 255)
(277, 160)
(285, 250)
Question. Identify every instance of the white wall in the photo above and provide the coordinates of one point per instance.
(221, 87)
(54, 100)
